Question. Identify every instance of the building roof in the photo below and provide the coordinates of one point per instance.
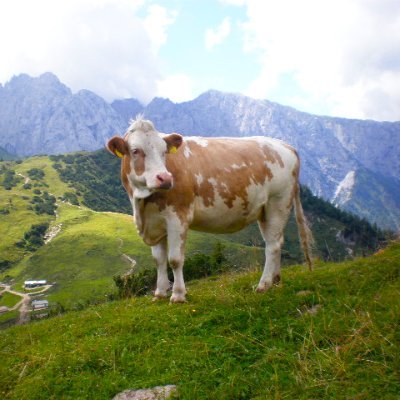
(40, 302)
(42, 282)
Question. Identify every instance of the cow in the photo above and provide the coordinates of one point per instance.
(217, 185)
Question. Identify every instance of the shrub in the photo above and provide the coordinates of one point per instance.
(70, 197)
(136, 284)
(196, 267)
(10, 179)
(36, 174)
(34, 238)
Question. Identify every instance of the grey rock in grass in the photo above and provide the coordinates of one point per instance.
(156, 393)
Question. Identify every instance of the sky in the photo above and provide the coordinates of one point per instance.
(326, 57)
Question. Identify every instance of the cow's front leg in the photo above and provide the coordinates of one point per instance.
(159, 252)
(176, 257)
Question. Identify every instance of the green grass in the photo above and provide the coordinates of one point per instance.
(9, 316)
(9, 299)
(19, 219)
(227, 342)
(56, 186)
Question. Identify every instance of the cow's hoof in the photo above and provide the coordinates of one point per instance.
(159, 297)
(177, 298)
(261, 288)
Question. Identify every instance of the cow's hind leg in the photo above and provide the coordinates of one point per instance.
(272, 223)
(160, 255)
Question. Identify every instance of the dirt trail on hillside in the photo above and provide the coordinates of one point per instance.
(27, 180)
(127, 258)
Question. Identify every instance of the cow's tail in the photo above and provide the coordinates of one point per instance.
(305, 234)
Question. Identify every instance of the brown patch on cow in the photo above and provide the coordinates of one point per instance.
(272, 155)
(139, 162)
(227, 167)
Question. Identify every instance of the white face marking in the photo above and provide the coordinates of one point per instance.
(154, 149)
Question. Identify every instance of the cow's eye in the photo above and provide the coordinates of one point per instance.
(135, 152)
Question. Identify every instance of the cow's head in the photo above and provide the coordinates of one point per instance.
(144, 150)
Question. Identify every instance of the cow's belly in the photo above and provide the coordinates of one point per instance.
(221, 217)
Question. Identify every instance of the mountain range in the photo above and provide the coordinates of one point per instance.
(353, 163)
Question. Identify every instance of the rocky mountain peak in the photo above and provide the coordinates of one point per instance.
(354, 163)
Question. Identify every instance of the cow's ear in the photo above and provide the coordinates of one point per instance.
(174, 140)
(117, 146)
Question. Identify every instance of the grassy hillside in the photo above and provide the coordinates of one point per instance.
(16, 213)
(328, 334)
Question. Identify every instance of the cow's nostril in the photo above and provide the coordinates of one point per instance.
(164, 180)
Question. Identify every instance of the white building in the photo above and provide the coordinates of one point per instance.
(39, 304)
(32, 284)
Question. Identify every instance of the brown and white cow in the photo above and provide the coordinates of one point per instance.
(217, 185)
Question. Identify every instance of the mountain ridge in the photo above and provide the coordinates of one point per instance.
(42, 116)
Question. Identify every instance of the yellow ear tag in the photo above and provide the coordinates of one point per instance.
(173, 150)
(118, 154)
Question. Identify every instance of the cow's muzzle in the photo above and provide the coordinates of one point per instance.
(164, 181)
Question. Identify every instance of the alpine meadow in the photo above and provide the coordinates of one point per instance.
(200, 200)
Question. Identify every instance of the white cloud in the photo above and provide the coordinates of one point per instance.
(100, 45)
(343, 55)
(156, 22)
(214, 37)
(178, 88)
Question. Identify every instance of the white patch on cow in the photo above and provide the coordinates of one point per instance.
(140, 124)
(186, 151)
(199, 179)
(142, 135)
(213, 182)
(198, 140)
(235, 166)
(176, 232)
